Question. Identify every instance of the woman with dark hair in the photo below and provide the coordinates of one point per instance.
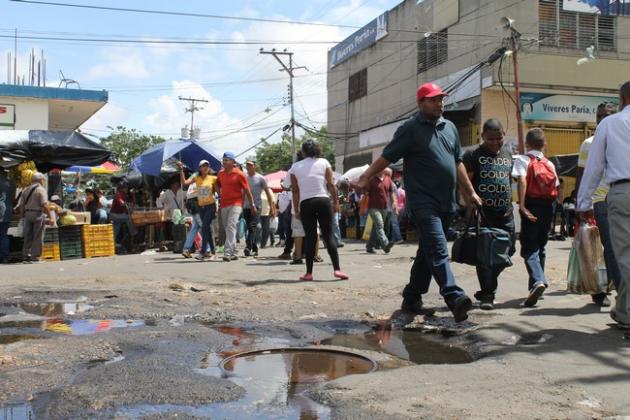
(93, 205)
(313, 189)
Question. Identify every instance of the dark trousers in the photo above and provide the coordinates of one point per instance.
(207, 216)
(251, 221)
(314, 211)
(4, 241)
(288, 231)
(265, 234)
(534, 237)
(488, 277)
(431, 257)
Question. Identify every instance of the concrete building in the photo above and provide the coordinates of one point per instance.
(47, 108)
(373, 75)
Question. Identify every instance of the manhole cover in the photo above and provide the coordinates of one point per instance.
(302, 365)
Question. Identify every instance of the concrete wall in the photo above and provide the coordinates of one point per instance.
(30, 114)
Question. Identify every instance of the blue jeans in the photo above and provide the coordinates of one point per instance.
(4, 241)
(335, 228)
(395, 227)
(489, 277)
(601, 217)
(189, 245)
(207, 214)
(431, 257)
(534, 237)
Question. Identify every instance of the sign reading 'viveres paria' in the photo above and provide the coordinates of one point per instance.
(361, 39)
(546, 107)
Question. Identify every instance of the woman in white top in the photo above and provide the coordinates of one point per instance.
(313, 189)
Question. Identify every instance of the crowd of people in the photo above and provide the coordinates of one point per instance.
(236, 204)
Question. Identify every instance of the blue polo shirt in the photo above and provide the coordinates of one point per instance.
(431, 151)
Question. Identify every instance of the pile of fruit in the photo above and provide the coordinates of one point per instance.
(23, 173)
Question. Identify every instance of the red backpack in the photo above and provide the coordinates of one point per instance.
(541, 179)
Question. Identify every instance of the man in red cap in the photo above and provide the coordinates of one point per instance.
(432, 169)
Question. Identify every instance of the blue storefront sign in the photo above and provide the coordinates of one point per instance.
(361, 39)
(603, 7)
(549, 107)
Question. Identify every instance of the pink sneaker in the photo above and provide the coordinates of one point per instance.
(307, 277)
(341, 275)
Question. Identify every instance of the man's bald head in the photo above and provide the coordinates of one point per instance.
(624, 95)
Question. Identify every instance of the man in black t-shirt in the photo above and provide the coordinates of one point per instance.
(489, 167)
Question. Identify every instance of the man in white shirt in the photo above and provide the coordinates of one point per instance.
(600, 208)
(610, 153)
(171, 199)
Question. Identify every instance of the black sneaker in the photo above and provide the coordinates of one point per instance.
(416, 307)
(284, 256)
(234, 258)
(460, 308)
(246, 252)
(226, 259)
(340, 245)
(534, 295)
(318, 259)
(601, 300)
(486, 301)
(296, 261)
(254, 254)
(388, 247)
(370, 250)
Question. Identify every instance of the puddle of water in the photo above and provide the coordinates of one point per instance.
(14, 338)
(16, 412)
(48, 310)
(275, 383)
(408, 345)
(71, 327)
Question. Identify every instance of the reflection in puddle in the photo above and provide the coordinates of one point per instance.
(16, 412)
(72, 327)
(14, 338)
(275, 383)
(49, 310)
(408, 345)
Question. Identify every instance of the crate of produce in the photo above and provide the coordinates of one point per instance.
(83, 217)
(51, 235)
(51, 252)
(97, 232)
(99, 248)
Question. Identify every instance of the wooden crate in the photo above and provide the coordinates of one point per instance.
(83, 218)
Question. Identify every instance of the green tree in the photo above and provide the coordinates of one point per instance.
(127, 144)
(277, 156)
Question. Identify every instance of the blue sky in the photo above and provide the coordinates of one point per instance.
(144, 81)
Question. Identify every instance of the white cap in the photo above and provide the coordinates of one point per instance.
(37, 176)
(204, 162)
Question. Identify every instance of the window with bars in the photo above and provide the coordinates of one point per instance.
(432, 50)
(357, 85)
(565, 29)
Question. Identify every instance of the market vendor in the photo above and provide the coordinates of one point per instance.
(34, 209)
(92, 204)
(120, 213)
(56, 209)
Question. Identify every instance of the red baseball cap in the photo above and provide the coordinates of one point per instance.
(429, 90)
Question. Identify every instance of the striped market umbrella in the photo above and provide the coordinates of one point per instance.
(107, 168)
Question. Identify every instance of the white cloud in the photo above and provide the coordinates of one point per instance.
(168, 116)
(120, 62)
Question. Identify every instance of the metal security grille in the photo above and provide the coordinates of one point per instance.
(564, 29)
(432, 50)
(357, 85)
(564, 141)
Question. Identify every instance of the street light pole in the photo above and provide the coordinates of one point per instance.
(289, 69)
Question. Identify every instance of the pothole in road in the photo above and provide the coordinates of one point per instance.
(412, 346)
(49, 310)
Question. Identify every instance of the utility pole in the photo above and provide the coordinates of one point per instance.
(289, 69)
(192, 110)
(515, 37)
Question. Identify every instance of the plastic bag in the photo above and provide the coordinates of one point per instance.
(177, 217)
(273, 225)
(587, 268)
(368, 229)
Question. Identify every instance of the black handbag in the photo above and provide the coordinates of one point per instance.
(482, 246)
(192, 205)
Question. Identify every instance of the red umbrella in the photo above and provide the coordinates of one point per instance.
(274, 180)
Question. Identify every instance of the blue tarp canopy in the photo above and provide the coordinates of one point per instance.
(190, 152)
